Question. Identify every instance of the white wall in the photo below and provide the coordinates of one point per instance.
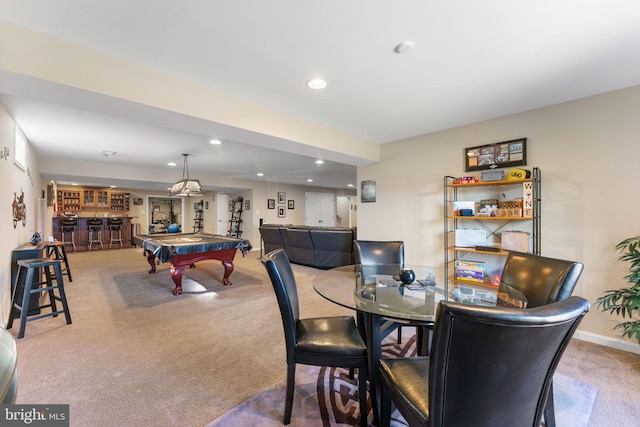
(14, 179)
(588, 153)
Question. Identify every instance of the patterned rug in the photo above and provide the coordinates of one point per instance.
(328, 397)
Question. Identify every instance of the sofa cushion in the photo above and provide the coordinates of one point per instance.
(333, 246)
(272, 237)
(298, 245)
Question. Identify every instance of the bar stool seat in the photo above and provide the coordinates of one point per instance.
(28, 268)
(57, 250)
(115, 230)
(68, 227)
(95, 231)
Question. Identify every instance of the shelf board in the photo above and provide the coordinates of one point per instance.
(485, 183)
(458, 249)
(485, 284)
(492, 218)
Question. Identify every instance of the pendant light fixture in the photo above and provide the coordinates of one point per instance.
(187, 186)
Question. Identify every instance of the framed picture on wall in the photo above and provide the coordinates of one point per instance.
(499, 155)
(367, 191)
(291, 204)
(281, 212)
(282, 198)
(271, 203)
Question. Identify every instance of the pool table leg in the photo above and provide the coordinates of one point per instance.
(176, 275)
(151, 259)
(228, 269)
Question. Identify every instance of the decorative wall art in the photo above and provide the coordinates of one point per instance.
(281, 212)
(368, 191)
(291, 204)
(50, 195)
(498, 155)
(271, 203)
(282, 197)
(19, 209)
(247, 205)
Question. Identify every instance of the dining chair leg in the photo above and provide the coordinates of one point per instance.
(549, 410)
(385, 408)
(362, 396)
(291, 383)
(374, 349)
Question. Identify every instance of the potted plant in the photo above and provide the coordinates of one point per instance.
(626, 301)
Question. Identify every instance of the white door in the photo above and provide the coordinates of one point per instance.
(222, 207)
(319, 209)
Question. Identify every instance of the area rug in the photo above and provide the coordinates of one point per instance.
(328, 397)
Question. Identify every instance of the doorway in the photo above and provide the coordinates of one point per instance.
(320, 209)
(163, 212)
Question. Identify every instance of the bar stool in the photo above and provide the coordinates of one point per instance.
(115, 229)
(32, 267)
(68, 226)
(60, 253)
(95, 231)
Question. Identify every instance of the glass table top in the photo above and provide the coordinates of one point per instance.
(378, 289)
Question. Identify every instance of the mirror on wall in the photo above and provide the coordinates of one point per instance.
(163, 212)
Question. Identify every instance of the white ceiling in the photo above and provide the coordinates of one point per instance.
(472, 61)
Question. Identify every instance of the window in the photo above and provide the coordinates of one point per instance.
(20, 149)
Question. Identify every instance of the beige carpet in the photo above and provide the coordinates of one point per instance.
(137, 355)
(328, 397)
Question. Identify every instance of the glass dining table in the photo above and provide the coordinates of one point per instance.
(384, 302)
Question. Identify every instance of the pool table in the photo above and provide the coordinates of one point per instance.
(185, 249)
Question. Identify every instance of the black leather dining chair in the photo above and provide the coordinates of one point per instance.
(324, 341)
(489, 366)
(542, 280)
(376, 252)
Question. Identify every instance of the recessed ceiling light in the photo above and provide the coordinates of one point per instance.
(74, 183)
(319, 162)
(171, 164)
(309, 180)
(260, 174)
(215, 141)
(317, 84)
(112, 186)
(108, 153)
(349, 185)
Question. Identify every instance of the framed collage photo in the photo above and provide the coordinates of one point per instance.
(499, 155)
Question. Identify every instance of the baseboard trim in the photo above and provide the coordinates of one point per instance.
(608, 341)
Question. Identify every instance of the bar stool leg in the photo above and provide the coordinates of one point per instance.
(24, 311)
(63, 295)
(49, 284)
(60, 255)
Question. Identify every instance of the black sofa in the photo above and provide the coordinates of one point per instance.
(319, 247)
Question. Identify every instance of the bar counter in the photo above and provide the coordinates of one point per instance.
(81, 235)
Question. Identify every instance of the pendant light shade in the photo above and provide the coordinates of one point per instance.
(186, 186)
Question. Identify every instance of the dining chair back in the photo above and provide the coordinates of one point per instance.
(376, 252)
(372, 252)
(541, 280)
(489, 366)
(322, 341)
